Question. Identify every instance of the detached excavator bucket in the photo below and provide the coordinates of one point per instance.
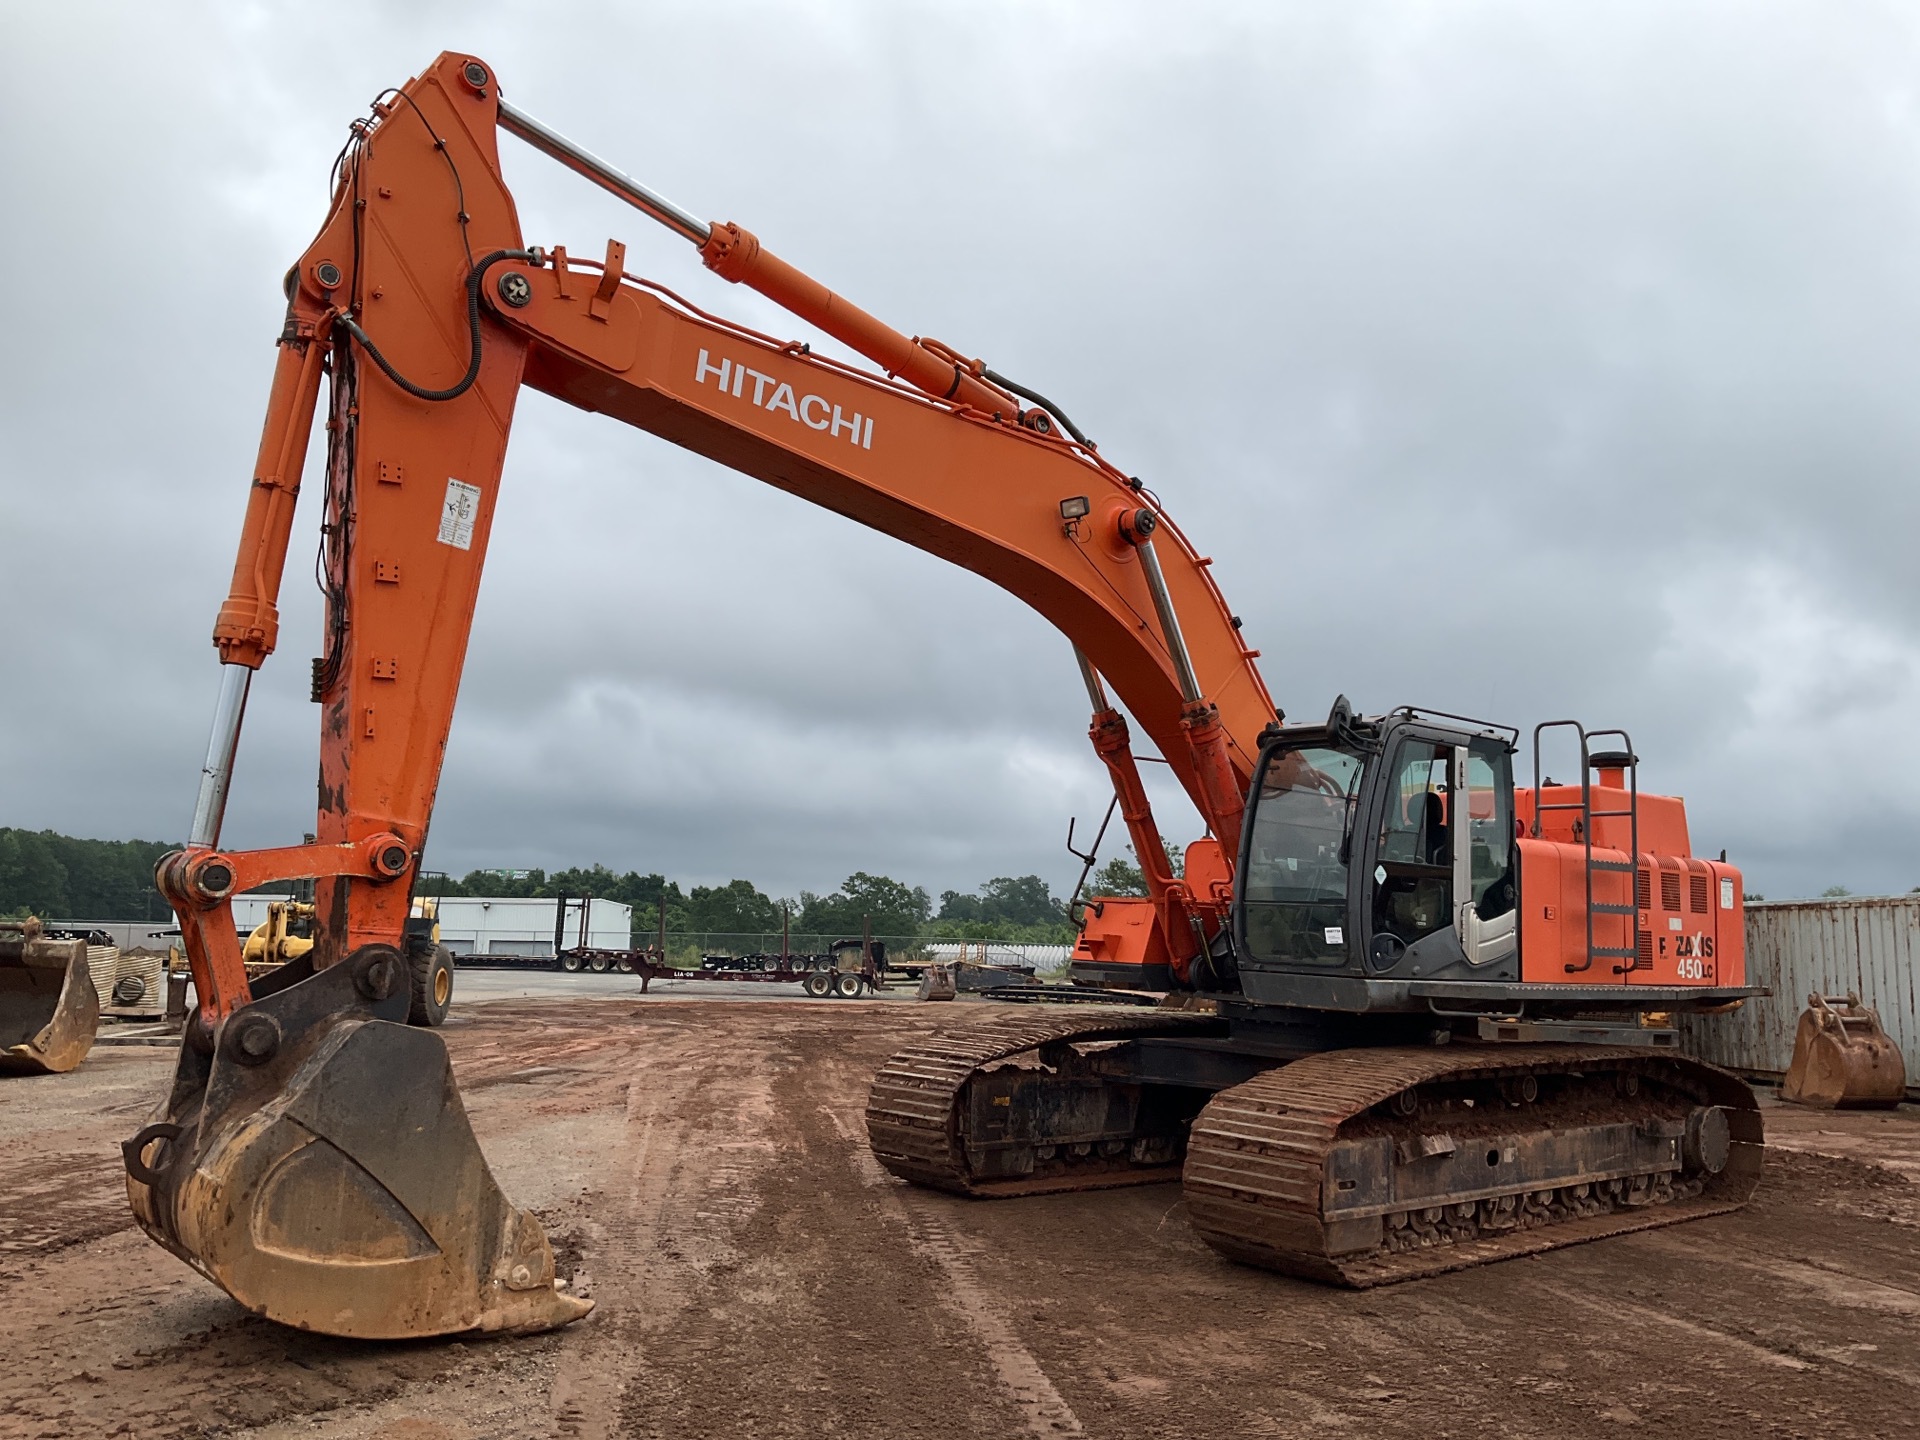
(936, 983)
(49, 1009)
(315, 1162)
(1843, 1059)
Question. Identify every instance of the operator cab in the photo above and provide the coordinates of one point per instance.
(1381, 848)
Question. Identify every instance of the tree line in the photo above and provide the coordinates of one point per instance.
(1009, 909)
(61, 877)
(64, 877)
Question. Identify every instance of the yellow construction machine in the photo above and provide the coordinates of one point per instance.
(286, 935)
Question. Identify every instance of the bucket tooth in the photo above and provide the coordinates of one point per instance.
(49, 1010)
(315, 1161)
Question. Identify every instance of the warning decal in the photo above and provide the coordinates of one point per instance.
(458, 514)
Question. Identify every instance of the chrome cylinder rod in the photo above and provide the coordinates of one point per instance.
(1096, 692)
(584, 162)
(217, 773)
(1169, 623)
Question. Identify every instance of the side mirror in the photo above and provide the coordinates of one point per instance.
(1340, 717)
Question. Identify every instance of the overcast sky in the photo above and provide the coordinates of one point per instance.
(1520, 360)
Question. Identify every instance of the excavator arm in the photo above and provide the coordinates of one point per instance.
(422, 305)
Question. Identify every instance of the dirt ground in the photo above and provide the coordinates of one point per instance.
(703, 1169)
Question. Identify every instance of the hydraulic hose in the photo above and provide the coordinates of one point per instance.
(1037, 398)
(474, 278)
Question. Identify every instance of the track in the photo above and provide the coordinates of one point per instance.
(913, 1109)
(1309, 1168)
(1261, 1177)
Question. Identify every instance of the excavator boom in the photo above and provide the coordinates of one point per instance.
(422, 305)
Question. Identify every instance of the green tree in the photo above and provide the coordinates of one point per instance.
(1015, 901)
(1058, 932)
(890, 906)
(1121, 877)
(69, 878)
(1835, 892)
(492, 885)
(736, 907)
(647, 894)
(32, 880)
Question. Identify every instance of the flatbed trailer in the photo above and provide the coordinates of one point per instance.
(513, 962)
(817, 975)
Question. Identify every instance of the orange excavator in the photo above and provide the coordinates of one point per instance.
(1434, 1010)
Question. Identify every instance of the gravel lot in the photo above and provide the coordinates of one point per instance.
(701, 1163)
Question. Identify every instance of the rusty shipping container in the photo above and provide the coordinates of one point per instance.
(1867, 946)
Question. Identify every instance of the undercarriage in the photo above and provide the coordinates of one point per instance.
(1351, 1164)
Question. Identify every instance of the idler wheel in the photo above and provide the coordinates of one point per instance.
(1709, 1140)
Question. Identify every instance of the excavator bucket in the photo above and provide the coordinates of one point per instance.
(314, 1161)
(1843, 1059)
(936, 983)
(49, 1009)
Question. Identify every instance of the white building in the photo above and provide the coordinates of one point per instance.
(472, 926)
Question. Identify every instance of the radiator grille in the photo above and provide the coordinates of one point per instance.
(1669, 890)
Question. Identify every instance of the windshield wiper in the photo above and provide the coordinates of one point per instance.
(1353, 809)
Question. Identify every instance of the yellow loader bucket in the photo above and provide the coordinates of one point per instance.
(315, 1162)
(1843, 1059)
(49, 1009)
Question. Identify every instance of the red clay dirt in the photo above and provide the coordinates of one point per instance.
(702, 1167)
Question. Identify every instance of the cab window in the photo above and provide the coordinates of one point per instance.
(1296, 882)
(1413, 878)
(1490, 827)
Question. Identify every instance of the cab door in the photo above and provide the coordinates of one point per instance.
(1414, 878)
(1485, 863)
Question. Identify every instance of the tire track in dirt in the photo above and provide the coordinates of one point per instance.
(61, 1200)
(624, 1276)
(1041, 1406)
(796, 1311)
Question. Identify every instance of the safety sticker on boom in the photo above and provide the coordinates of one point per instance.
(458, 514)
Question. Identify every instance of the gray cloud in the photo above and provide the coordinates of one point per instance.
(1515, 360)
